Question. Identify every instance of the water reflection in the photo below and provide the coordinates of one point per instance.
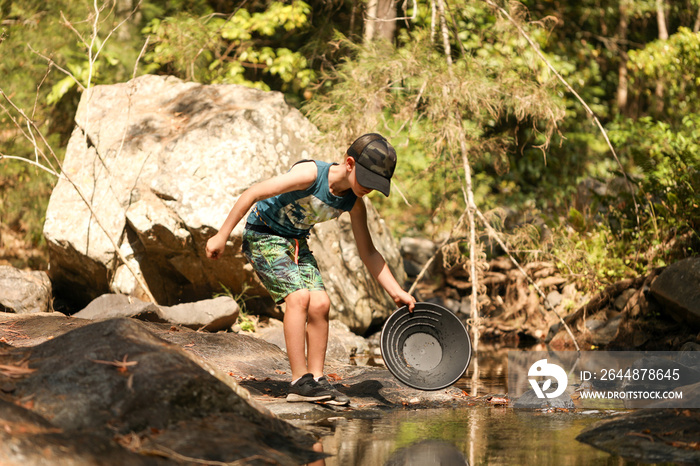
(477, 435)
(428, 453)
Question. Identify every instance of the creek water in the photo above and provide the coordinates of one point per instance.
(478, 435)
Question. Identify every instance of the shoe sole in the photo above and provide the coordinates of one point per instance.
(294, 398)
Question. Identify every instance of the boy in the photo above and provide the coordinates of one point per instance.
(274, 241)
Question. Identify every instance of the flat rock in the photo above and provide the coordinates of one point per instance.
(110, 306)
(261, 368)
(117, 380)
(210, 314)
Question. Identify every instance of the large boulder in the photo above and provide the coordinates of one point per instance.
(676, 288)
(113, 393)
(161, 162)
(24, 292)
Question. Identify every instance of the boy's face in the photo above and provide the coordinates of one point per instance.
(355, 185)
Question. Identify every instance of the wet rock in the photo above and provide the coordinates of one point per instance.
(210, 314)
(24, 292)
(115, 378)
(676, 288)
(650, 436)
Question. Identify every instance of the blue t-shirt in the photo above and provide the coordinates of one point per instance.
(294, 213)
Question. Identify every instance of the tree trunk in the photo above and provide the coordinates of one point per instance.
(445, 32)
(621, 36)
(663, 35)
(661, 19)
(380, 20)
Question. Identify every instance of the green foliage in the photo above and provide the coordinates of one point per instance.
(35, 36)
(246, 321)
(234, 50)
(669, 181)
(674, 64)
(615, 240)
(528, 141)
(431, 109)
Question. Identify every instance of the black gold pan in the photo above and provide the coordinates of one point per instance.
(427, 349)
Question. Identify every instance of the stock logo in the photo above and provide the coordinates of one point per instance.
(543, 369)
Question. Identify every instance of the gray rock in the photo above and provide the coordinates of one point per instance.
(211, 314)
(554, 298)
(110, 306)
(416, 253)
(677, 288)
(607, 332)
(427, 453)
(24, 292)
(163, 161)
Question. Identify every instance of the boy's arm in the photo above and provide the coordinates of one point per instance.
(373, 259)
(300, 177)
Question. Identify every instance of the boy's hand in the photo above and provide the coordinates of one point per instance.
(215, 247)
(407, 299)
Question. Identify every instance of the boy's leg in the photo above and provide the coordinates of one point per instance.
(317, 331)
(295, 316)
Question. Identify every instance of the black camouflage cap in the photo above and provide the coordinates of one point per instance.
(376, 161)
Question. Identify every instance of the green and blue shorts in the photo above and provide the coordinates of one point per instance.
(284, 265)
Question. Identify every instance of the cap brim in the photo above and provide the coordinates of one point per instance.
(370, 180)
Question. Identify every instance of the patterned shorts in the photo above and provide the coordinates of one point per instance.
(274, 259)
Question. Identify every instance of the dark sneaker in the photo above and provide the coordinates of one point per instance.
(307, 389)
(339, 399)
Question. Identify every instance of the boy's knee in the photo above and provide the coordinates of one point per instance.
(319, 305)
(299, 299)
